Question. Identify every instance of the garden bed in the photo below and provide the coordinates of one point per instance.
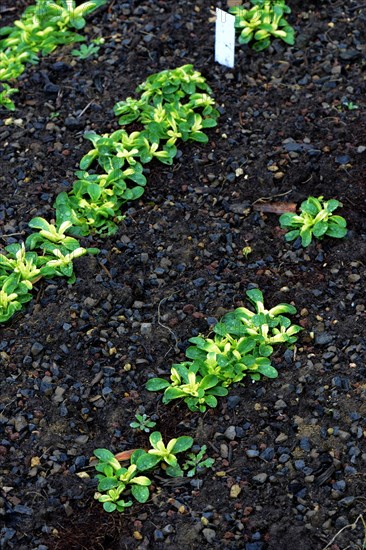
(290, 453)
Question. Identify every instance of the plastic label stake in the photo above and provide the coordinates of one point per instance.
(224, 38)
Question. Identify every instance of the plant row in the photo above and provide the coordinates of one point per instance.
(173, 105)
(41, 28)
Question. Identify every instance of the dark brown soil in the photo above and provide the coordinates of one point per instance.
(176, 265)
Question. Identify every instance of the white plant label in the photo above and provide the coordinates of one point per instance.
(224, 38)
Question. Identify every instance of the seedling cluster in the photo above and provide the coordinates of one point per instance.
(47, 253)
(265, 20)
(174, 104)
(241, 346)
(115, 483)
(42, 27)
(315, 220)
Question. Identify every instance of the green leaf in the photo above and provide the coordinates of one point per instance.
(311, 206)
(336, 231)
(208, 381)
(194, 353)
(39, 223)
(198, 136)
(339, 220)
(155, 438)
(109, 506)
(174, 471)
(211, 401)
(182, 444)
(147, 462)
(292, 235)
(265, 350)
(87, 159)
(286, 220)
(104, 455)
(141, 480)
(306, 236)
(320, 228)
(220, 391)
(172, 393)
(282, 308)
(140, 493)
(268, 370)
(108, 483)
(157, 384)
(332, 205)
(246, 345)
(255, 296)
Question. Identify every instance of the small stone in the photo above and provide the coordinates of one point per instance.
(224, 450)
(36, 349)
(230, 433)
(158, 535)
(146, 329)
(280, 404)
(235, 491)
(209, 534)
(323, 338)
(233, 401)
(58, 396)
(354, 277)
(281, 438)
(20, 423)
(299, 465)
(260, 478)
(168, 529)
(251, 453)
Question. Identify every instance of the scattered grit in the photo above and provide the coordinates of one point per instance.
(290, 454)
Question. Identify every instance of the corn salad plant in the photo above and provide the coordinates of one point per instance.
(116, 483)
(48, 253)
(316, 219)
(264, 20)
(241, 346)
(42, 27)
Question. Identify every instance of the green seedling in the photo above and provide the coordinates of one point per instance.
(349, 105)
(13, 294)
(62, 265)
(142, 423)
(196, 463)
(49, 233)
(114, 480)
(315, 220)
(5, 94)
(66, 13)
(42, 27)
(241, 346)
(263, 21)
(161, 453)
(25, 264)
(197, 392)
(246, 251)
(84, 52)
(265, 327)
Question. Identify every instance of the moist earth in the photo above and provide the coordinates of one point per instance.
(290, 453)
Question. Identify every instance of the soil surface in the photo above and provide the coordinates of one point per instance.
(290, 453)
